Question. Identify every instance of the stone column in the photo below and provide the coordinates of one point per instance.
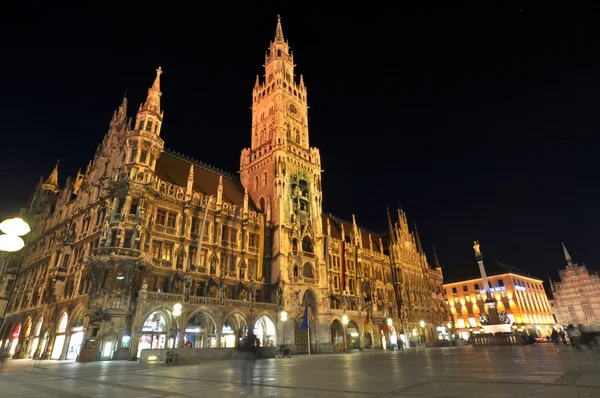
(63, 354)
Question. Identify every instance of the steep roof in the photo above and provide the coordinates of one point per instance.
(174, 168)
(337, 224)
(492, 268)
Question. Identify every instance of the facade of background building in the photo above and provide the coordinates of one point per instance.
(143, 229)
(577, 295)
(520, 297)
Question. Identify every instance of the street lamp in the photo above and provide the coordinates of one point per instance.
(422, 324)
(283, 319)
(345, 320)
(13, 229)
(15, 226)
(177, 309)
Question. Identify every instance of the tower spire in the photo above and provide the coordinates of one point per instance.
(51, 183)
(152, 103)
(279, 30)
(418, 240)
(567, 256)
(436, 261)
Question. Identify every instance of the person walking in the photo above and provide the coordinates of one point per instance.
(575, 337)
(563, 336)
(554, 336)
(247, 360)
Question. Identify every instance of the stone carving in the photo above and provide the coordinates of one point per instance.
(476, 247)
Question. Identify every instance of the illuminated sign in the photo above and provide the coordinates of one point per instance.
(152, 358)
(494, 289)
(522, 288)
(227, 330)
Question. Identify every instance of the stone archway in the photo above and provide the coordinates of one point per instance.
(264, 330)
(201, 331)
(158, 331)
(337, 335)
(302, 338)
(353, 336)
(234, 329)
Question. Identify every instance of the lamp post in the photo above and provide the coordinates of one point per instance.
(176, 312)
(283, 319)
(345, 322)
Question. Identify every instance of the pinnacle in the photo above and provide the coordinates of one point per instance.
(279, 30)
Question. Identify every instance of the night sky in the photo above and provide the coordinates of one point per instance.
(480, 123)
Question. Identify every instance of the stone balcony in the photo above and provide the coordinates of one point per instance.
(211, 301)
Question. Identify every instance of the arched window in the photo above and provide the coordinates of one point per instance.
(295, 244)
(307, 271)
(288, 132)
(297, 137)
(307, 245)
(261, 204)
(279, 53)
(271, 129)
(133, 154)
(295, 271)
(265, 178)
(256, 183)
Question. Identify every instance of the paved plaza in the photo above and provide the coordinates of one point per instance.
(524, 371)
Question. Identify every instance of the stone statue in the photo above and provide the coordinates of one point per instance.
(280, 290)
(144, 285)
(135, 235)
(476, 247)
(106, 230)
(222, 291)
(187, 284)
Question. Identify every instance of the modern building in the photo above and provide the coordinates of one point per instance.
(577, 295)
(520, 298)
(147, 248)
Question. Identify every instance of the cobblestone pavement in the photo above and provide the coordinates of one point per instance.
(528, 371)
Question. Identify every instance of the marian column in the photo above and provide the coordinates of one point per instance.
(490, 301)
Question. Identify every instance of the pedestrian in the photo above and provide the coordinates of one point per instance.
(575, 336)
(247, 358)
(4, 354)
(563, 336)
(554, 336)
(188, 344)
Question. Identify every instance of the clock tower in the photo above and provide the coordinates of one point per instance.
(280, 170)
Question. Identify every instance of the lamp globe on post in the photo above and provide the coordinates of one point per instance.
(13, 229)
(284, 318)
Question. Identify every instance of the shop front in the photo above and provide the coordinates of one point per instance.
(201, 331)
(155, 332)
(14, 339)
(59, 340)
(36, 339)
(264, 330)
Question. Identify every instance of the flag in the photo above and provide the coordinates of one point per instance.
(384, 325)
(367, 324)
(261, 246)
(304, 325)
(342, 266)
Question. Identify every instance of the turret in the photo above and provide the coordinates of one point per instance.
(190, 184)
(144, 144)
(567, 256)
(51, 183)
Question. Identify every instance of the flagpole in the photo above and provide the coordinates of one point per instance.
(308, 323)
(202, 232)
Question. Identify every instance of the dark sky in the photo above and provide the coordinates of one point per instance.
(480, 122)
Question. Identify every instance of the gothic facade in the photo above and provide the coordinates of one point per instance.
(148, 248)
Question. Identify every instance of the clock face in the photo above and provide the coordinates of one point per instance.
(293, 109)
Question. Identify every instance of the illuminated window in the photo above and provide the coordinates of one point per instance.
(503, 293)
(167, 251)
(456, 300)
(461, 323)
(479, 297)
(468, 299)
(156, 249)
